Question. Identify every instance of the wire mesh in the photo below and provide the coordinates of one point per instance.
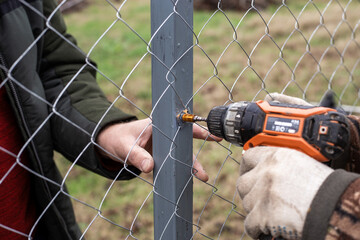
(301, 48)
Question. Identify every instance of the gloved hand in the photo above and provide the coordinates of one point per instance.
(277, 186)
(285, 99)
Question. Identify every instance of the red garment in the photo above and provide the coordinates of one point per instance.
(17, 211)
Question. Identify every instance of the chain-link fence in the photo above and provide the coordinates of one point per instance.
(197, 60)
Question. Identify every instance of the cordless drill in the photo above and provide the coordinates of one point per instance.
(320, 132)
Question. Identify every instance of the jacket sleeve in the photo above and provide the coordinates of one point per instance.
(345, 220)
(325, 205)
(353, 164)
(80, 108)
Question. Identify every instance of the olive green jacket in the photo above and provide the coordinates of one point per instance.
(57, 102)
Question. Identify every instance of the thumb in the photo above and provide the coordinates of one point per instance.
(140, 158)
(253, 156)
(254, 224)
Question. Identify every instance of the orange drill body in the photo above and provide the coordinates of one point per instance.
(319, 132)
(292, 138)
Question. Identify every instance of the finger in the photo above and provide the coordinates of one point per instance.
(245, 184)
(253, 222)
(255, 186)
(282, 98)
(250, 174)
(249, 160)
(144, 128)
(202, 133)
(253, 156)
(199, 171)
(140, 158)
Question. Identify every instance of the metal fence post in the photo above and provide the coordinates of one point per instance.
(172, 86)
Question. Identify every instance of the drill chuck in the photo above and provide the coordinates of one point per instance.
(215, 121)
(237, 122)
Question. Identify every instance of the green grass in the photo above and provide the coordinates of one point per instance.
(120, 50)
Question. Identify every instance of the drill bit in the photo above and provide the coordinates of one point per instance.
(187, 117)
(199, 119)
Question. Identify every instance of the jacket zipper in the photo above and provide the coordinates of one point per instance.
(20, 111)
(2, 71)
(26, 130)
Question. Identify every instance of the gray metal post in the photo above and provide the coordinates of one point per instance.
(170, 42)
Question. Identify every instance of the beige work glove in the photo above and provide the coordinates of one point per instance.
(277, 186)
(277, 97)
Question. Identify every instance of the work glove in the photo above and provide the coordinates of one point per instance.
(281, 98)
(277, 186)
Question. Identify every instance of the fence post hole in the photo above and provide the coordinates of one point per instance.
(172, 86)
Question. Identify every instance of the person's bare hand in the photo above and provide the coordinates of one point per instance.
(133, 141)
